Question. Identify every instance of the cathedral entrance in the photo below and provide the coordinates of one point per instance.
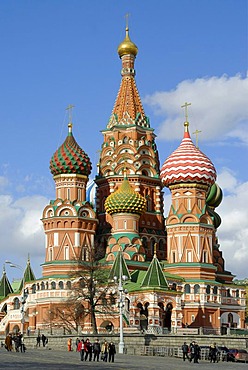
(143, 315)
(165, 315)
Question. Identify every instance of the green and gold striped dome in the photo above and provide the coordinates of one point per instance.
(125, 200)
(69, 158)
(215, 196)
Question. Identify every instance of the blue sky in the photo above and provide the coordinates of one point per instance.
(60, 52)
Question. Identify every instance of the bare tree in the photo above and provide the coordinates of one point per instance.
(91, 289)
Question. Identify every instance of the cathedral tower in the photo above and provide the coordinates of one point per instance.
(129, 142)
(69, 221)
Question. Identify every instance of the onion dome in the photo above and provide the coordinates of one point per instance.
(125, 200)
(187, 164)
(215, 216)
(215, 196)
(69, 158)
(127, 46)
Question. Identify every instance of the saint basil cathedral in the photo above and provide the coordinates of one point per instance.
(176, 276)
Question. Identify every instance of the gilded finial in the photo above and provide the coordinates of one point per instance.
(127, 16)
(155, 249)
(69, 108)
(186, 105)
(186, 123)
(196, 137)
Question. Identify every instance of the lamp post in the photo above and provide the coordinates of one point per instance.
(121, 304)
(23, 297)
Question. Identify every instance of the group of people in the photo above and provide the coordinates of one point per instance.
(15, 342)
(41, 339)
(193, 351)
(94, 351)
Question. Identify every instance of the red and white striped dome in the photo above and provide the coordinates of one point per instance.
(187, 164)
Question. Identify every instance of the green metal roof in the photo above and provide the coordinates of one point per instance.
(119, 267)
(154, 276)
(5, 286)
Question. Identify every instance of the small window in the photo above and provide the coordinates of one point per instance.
(196, 289)
(53, 285)
(187, 288)
(16, 304)
(215, 290)
(173, 257)
(208, 289)
(61, 285)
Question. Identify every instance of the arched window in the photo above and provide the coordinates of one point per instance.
(144, 242)
(174, 286)
(187, 288)
(68, 284)
(153, 241)
(196, 289)
(53, 285)
(161, 245)
(42, 285)
(33, 288)
(61, 285)
(208, 289)
(215, 290)
(237, 293)
(66, 253)
(16, 303)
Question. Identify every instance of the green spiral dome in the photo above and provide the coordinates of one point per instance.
(215, 196)
(125, 200)
(69, 158)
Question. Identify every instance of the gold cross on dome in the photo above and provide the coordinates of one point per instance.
(127, 17)
(69, 108)
(196, 137)
(186, 105)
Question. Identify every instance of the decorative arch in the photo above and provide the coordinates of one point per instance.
(16, 303)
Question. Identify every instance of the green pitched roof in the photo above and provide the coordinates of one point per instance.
(27, 276)
(5, 286)
(154, 277)
(119, 267)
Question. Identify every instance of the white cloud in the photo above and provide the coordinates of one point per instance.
(233, 232)
(20, 226)
(219, 108)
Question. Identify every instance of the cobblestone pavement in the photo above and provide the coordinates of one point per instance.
(45, 359)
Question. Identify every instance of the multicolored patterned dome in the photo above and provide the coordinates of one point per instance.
(125, 200)
(70, 158)
(215, 196)
(187, 164)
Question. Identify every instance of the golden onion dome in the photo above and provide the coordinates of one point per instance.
(125, 200)
(127, 46)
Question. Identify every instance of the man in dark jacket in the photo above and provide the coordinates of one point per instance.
(185, 349)
(112, 352)
(96, 350)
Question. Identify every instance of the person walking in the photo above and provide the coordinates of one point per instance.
(69, 345)
(96, 350)
(8, 342)
(112, 352)
(43, 339)
(80, 349)
(87, 350)
(213, 352)
(104, 351)
(77, 342)
(38, 339)
(185, 349)
(23, 347)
